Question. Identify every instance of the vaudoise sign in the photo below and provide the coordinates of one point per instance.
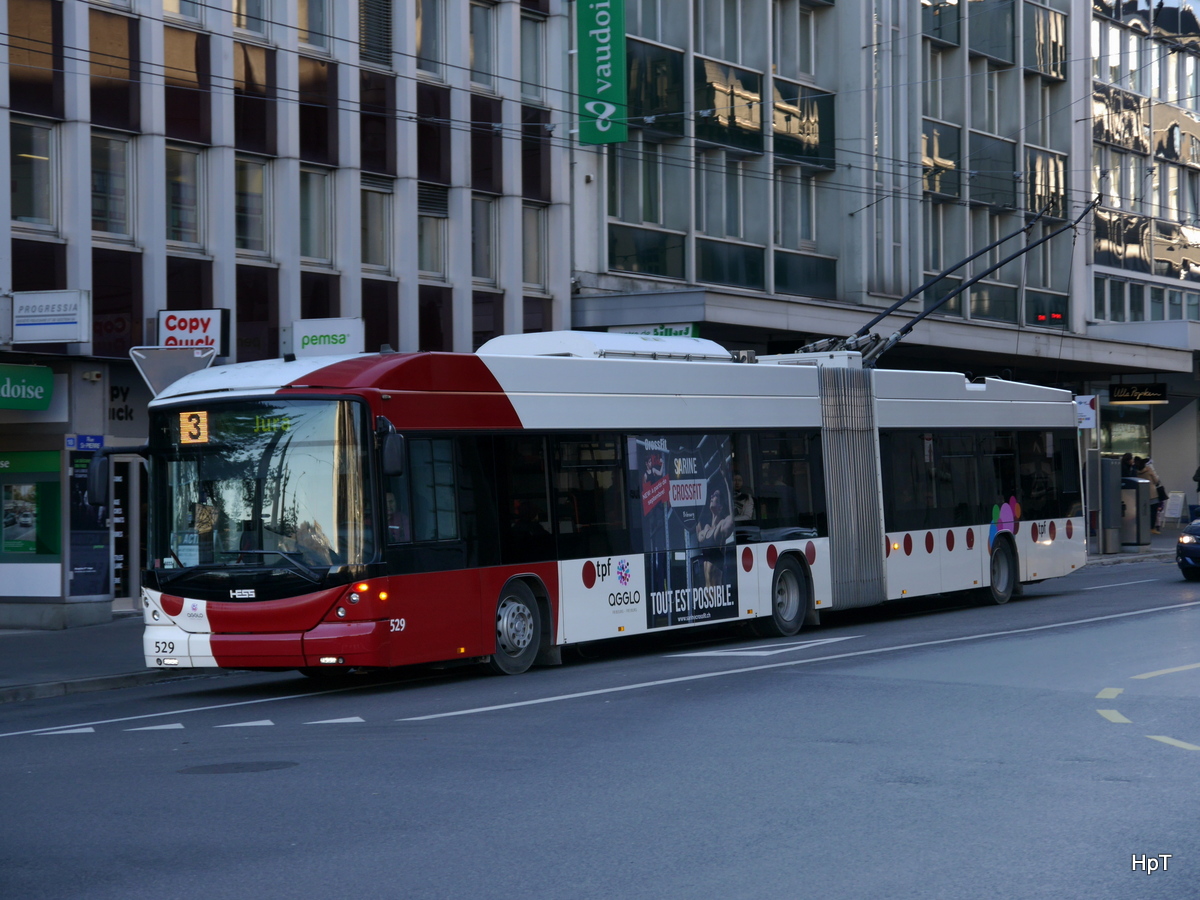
(603, 92)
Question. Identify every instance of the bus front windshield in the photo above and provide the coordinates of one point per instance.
(265, 483)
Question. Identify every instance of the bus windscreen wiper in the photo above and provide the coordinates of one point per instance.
(300, 566)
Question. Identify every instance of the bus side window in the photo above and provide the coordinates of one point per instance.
(589, 482)
(398, 515)
(523, 494)
(434, 493)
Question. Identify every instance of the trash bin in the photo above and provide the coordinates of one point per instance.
(1135, 514)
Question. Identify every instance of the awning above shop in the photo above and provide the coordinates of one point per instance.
(976, 346)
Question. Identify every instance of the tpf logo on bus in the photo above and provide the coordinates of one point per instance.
(602, 570)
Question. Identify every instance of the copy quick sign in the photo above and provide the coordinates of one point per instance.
(323, 337)
(194, 328)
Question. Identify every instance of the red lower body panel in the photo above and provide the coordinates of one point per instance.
(253, 651)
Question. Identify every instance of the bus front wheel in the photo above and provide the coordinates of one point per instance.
(518, 630)
(789, 599)
(1003, 572)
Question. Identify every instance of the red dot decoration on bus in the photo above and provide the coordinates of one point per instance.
(929, 542)
(1053, 531)
(810, 552)
(1070, 529)
(172, 606)
(772, 556)
(589, 574)
(908, 545)
(950, 540)
(970, 538)
(747, 559)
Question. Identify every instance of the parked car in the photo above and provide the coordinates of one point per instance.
(26, 518)
(10, 518)
(1187, 551)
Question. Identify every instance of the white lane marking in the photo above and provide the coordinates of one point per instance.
(1113, 716)
(772, 651)
(70, 731)
(792, 662)
(181, 712)
(172, 727)
(1166, 671)
(1110, 693)
(1174, 743)
(1122, 584)
(246, 724)
(344, 721)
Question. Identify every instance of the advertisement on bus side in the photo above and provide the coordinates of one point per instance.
(683, 502)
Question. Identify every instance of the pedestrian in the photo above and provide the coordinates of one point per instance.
(1145, 469)
(1127, 468)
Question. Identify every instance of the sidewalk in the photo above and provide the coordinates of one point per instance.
(36, 664)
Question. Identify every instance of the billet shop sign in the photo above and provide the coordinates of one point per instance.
(194, 328)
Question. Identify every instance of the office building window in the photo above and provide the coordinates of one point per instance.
(429, 36)
(794, 202)
(314, 27)
(794, 46)
(314, 214)
(183, 195)
(483, 232)
(254, 98)
(718, 28)
(114, 70)
(432, 213)
(532, 57)
(483, 44)
(375, 31)
(33, 173)
(635, 181)
(250, 177)
(250, 15)
(533, 242)
(110, 185)
(376, 225)
(35, 57)
(186, 9)
(186, 95)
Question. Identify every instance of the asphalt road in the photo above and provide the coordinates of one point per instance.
(922, 750)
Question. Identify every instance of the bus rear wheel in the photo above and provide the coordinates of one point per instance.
(790, 600)
(1003, 572)
(518, 630)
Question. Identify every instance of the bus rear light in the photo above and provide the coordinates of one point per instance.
(330, 660)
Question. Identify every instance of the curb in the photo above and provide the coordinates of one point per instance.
(1121, 558)
(46, 689)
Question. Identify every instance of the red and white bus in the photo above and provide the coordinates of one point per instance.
(386, 509)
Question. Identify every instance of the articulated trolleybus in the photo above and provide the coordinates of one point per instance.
(387, 509)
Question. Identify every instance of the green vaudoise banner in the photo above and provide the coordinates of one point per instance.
(603, 93)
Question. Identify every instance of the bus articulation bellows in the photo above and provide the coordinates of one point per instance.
(381, 510)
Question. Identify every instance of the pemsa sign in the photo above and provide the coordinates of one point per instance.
(603, 91)
(26, 387)
(323, 337)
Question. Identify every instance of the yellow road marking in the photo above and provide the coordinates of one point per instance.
(1109, 693)
(1168, 671)
(1172, 742)
(1113, 716)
